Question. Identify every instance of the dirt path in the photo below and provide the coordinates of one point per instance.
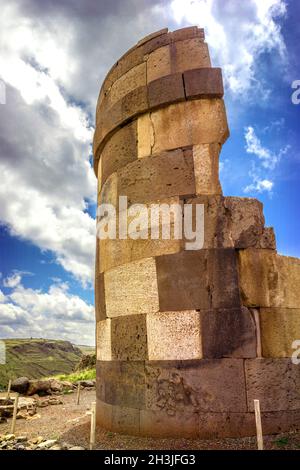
(52, 421)
(69, 423)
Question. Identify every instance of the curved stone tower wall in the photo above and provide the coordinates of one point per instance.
(186, 339)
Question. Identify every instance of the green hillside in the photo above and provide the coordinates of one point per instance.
(35, 358)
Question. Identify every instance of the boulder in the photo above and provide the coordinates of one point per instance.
(56, 385)
(20, 385)
(87, 383)
(40, 387)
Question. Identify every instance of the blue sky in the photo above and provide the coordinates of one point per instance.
(53, 58)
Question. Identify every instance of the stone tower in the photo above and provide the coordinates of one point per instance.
(186, 339)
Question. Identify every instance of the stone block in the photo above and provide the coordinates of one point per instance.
(100, 298)
(223, 278)
(228, 333)
(121, 393)
(129, 338)
(125, 420)
(121, 383)
(153, 178)
(268, 279)
(182, 125)
(164, 90)
(267, 239)
(161, 424)
(187, 33)
(230, 222)
(120, 150)
(129, 372)
(129, 60)
(158, 63)
(216, 385)
(121, 251)
(155, 43)
(279, 328)
(117, 252)
(104, 414)
(206, 168)
(131, 289)
(134, 78)
(189, 53)
(274, 382)
(103, 341)
(203, 83)
(134, 103)
(174, 336)
(192, 280)
(109, 191)
(220, 425)
(151, 36)
(183, 282)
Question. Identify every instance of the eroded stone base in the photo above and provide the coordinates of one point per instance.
(206, 398)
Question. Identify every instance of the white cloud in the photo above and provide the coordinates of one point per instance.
(2, 296)
(45, 147)
(12, 281)
(263, 167)
(52, 314)
(237, 35)
(259, 186)
(53, 68)
(254, 146)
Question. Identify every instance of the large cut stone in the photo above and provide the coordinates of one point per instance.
(103, 340)
(166, 90)
(122, 383)
(174, 336)
(203, 83)
(120, 150)
(228, 333)
(132, 79)
(193, 386)
(129, 338)
(131, 289)
(268, 279)
(158, 64)
(100, 308)
(153, 178)
(280, 327)
(182, 124)
(233, 222)
(192, 280)
(274, 382)
(206, 168)
(115, 252)
(189, 54)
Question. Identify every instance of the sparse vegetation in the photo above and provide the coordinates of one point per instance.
(87, 374)
(282, 442)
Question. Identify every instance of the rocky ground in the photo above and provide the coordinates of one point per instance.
(66, 426)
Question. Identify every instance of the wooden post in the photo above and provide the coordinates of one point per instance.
(260, 444)
(8, 390)
(93, 425)
(13, 424)
(78, 394)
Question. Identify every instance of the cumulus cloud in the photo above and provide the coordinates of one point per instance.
(52, 314)
(237, 35)
(12, 281)
(259, 186)
(267, 161)
(53, 58)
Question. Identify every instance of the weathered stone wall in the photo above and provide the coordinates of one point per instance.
(186, 339)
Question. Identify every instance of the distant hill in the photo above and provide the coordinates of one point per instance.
(35, 358)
